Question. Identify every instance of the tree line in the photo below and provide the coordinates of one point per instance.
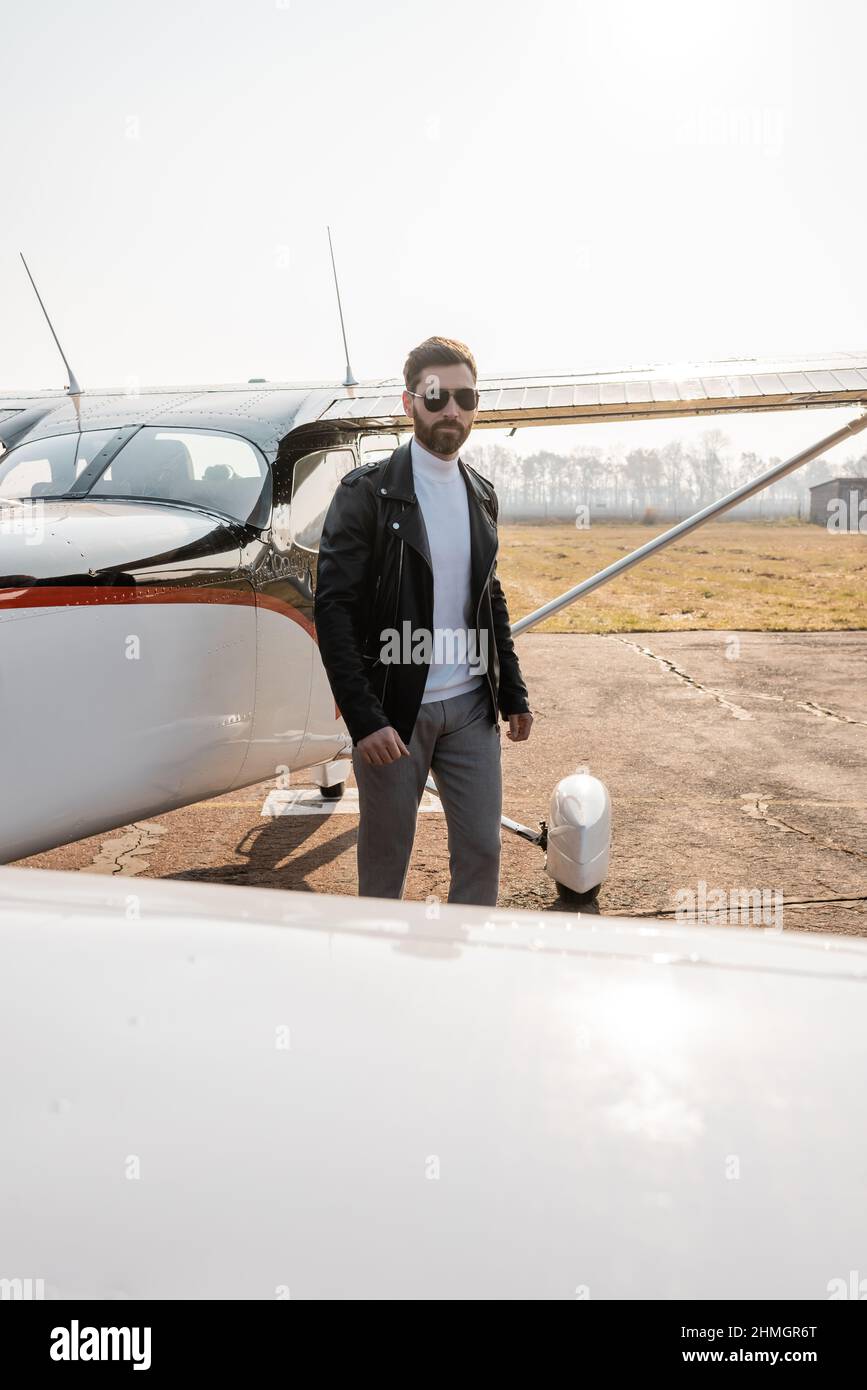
(645, 483)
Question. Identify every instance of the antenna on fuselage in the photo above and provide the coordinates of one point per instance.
(74, 389)
(349, 379)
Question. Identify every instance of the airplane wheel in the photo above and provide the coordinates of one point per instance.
(333, 793)
(568, 895)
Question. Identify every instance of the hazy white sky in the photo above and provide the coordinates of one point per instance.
(562, 185)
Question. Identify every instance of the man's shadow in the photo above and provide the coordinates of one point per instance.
(274, 852)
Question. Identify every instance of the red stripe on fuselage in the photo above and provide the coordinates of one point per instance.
(86, 595)
(279, 605)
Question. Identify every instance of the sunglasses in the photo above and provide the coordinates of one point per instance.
(465, 396)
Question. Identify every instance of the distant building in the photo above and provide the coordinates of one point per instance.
(842, 501)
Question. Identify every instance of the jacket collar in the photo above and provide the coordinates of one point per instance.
(396, 478)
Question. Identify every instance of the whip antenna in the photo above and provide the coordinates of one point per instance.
(74, 389)
(349, 379)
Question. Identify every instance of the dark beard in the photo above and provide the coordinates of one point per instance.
(437, 440)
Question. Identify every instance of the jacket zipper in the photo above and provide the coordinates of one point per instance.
(396, 607)
(373, 607)
(487, 663)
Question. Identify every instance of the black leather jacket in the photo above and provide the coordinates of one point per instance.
(374, 572)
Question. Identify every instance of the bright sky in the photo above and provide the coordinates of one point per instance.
(563, 186)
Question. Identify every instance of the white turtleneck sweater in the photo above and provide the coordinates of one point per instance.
(442, 496)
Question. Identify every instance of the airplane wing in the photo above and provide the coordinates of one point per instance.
(224, 1092)
(639, 392)
(269, 411)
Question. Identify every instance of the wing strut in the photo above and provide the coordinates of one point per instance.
(731, 499)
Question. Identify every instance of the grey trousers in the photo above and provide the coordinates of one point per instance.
(456, 741)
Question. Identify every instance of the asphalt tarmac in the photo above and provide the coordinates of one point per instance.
(736, 764)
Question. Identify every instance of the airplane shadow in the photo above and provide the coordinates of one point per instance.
(268, 846)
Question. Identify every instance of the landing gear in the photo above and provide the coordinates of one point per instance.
(332, 793)
(331, 777)
(568, 895)
(578, 838)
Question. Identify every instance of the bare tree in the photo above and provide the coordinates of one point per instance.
(709, 465)
(673, 471)
(589, 469)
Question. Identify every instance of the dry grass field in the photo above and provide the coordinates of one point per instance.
(784, 576)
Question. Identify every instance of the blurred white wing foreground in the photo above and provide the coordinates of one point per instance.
(216, 1092)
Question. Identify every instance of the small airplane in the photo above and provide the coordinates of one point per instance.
(229, 1092)
(157, 645)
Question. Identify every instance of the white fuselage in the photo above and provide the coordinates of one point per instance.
(178, 681)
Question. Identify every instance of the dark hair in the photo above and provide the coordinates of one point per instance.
(438, 352)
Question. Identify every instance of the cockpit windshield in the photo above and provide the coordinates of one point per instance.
(200, 468)
(50, 467)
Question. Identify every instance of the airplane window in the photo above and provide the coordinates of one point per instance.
(204, 468)
(379, 446)
(42, 468)
(48, 467)
(313, 482)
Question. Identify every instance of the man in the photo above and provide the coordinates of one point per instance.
(414, 635)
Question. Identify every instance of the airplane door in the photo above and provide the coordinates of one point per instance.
(315, 480)
(294, 704)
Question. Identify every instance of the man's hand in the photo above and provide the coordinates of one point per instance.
(382, 747)
(519, 727)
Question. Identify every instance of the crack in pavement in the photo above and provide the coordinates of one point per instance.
(756, 808)
(128, 854)
(711, 911)
(687, 679)
(809, 705)
(822, 713)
